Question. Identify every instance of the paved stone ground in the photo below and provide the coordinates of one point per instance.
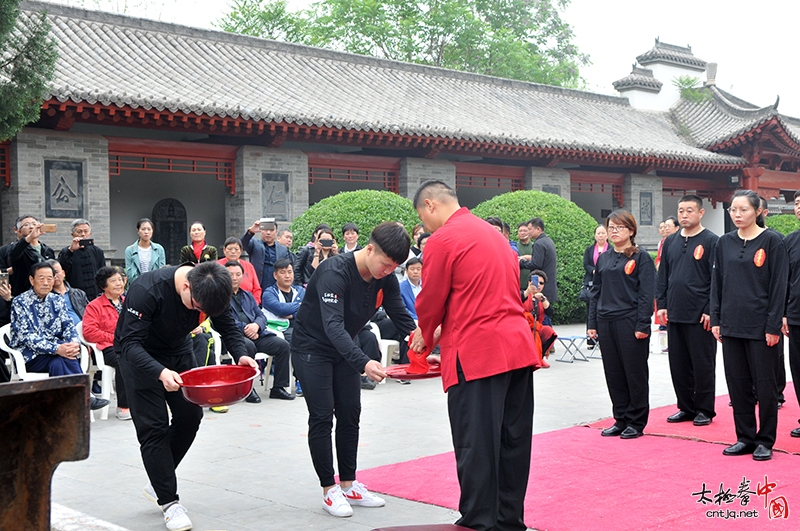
(250, 469)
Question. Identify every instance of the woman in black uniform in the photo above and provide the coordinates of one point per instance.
(620, 310)
(748, 292)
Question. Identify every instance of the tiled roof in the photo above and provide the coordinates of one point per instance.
(639, 78)
(669, 53)
(117, 60)
(721, 118)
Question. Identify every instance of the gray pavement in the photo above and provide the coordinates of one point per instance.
(250, 469)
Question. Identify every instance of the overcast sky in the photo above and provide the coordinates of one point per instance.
(751, 41)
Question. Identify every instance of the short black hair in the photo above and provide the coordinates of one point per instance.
(234, 263)
(413, 261)
(231, 241)
(39, 265)
(539, 273)
(283, 263)
(691, 198)
(142, 222)
(434, 189)
(672, 219)
(797, 194)
(537, 222)
(522, 224)
(392, 239)
(103, 274)
(421, 237)
(211, 287)
(350, 226)
(495, 222)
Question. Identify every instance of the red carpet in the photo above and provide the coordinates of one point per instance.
(721, 430)
(581, 481)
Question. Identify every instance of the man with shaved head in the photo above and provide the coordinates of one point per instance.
(487, 356)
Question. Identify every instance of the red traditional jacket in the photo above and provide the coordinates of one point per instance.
(472, 289)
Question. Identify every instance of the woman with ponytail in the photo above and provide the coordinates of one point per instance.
(620, 310)
(748, 295)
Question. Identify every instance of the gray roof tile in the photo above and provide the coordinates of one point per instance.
(639, 78)
(662, 52)
(119, 60)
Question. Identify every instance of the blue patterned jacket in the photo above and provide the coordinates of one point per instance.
(39, 326)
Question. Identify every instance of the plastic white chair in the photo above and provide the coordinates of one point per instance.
(99, 364)
(17, 360)
(259, 356)
(386, 346)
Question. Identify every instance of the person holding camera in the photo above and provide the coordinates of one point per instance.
(82, 259)
(324, 247)
(26, 252)
(265, 251)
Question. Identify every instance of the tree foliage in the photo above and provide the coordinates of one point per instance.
(517, 39)
(27, 59)
(571, 229)
(365, 208)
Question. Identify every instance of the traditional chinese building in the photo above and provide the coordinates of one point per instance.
(147, 119)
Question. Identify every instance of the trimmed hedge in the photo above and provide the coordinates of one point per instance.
(365, 208)
(570, 227)
(783, 223)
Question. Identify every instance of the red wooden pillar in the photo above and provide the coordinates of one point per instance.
(750, 177)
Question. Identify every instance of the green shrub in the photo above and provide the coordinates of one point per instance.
(365, 208)
(783, 223)
(570, 227)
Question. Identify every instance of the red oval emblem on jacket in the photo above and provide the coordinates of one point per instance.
(760, 257)
(379, 299)
(698, 252)
(630, 266)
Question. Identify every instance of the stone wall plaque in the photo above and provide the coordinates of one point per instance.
(275, 195)
(551, 189)
(645, 208)
(170, 230)
(63, 186)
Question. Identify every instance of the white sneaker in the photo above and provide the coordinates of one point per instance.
(150, 493)
(175, 518)
(358, 495)
(335, 503)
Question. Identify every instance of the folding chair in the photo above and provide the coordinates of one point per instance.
(572, 348)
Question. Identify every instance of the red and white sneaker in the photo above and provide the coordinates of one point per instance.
(335, 503)
(358, 495)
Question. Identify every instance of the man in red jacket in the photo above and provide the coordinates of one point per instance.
(487, 354)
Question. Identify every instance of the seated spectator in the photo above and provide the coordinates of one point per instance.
(5, 318)
(369, 345)
(350, 235)
(82, 259)
(412, 285)
(26, 252)
(232, 249)
(282, 299)
(74, 298)
(43, 330)
(415, 233)
(99, 323)
(535, 305)
(422, 239)
(258, 338)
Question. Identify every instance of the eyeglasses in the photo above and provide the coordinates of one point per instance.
(616, 228)
(735, 211)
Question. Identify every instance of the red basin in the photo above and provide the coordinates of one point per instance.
(218, 385)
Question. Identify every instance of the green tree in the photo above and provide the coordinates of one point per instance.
(517, 39)
(571, 229)
(365, 208)
(27, 59)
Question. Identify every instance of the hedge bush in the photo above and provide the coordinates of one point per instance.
(783, 223)
(365, 208)
(570, 227)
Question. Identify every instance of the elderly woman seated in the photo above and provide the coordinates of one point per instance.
(99, 323)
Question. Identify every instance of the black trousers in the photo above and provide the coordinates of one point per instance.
(692, 365)
(111, 359)
(749, 364)
(780, 372)
(331, 388)
(389, 331)
(794, 358)
(491, 420)
(278, 348)
(163, 444)
(626, 371)
(369, 343)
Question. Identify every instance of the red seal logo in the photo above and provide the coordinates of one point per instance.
(698, 252)
(630, 266)
(760, 257)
